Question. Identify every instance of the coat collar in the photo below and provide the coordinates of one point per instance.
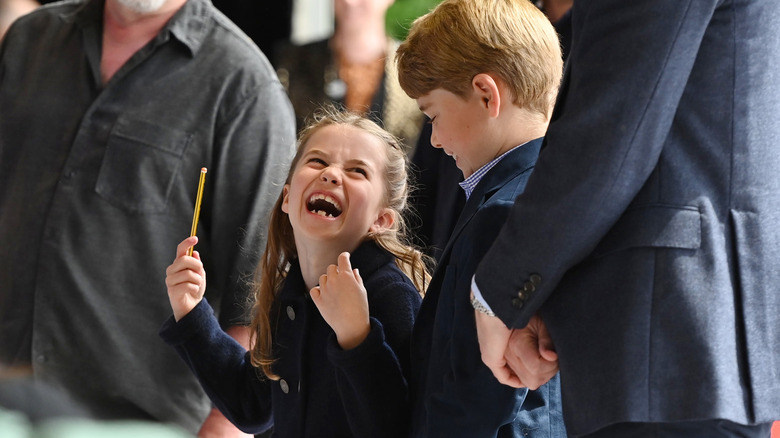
(190, 24)
(367, 258)
(516, 162)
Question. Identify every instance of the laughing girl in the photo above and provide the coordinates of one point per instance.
(323, 363)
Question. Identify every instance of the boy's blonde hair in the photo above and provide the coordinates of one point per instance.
(459, 39)
(280, 248)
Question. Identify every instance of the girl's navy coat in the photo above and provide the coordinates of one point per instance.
(323, 390)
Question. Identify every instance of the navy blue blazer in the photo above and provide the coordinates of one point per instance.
(323, 391)
(455, 394)
(652, 219)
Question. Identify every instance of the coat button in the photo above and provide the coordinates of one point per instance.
(291, 313)
(536, 279)
(285, 387)
(528, 286)
(517, 303)
(522, 295)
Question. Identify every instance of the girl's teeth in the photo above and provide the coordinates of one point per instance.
(328, 199)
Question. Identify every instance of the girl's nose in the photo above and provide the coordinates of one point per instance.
(331, 175)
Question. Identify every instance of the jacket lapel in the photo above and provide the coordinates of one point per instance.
(516, 162)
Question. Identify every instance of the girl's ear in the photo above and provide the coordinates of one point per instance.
(486, 88)
(384, 221)
(285, 199)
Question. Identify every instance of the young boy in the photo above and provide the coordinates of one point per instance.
(486, 72)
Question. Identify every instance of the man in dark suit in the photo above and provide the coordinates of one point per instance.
(647, 241)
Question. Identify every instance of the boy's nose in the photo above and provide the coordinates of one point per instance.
(435, 141)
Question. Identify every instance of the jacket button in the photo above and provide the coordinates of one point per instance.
(285, 387)
(522, 295)
(291, 313)
(517, 303)
(536, 279)
(528, 286)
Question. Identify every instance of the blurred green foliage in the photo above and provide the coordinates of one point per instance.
(403, 12)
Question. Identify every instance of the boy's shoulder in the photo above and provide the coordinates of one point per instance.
(495, 195)
(486, 220)
(496, 206)
(508, 177)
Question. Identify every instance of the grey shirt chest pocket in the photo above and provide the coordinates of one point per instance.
(140, 165)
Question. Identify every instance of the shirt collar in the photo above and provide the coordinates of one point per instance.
(469, 184)
(190, 24)
(89, 13)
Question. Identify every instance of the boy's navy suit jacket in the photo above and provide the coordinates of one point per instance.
(652, 218)
(455, 394)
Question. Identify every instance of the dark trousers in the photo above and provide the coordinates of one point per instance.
(686, 429)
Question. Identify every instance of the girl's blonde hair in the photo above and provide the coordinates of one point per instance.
(280, 248)
(460, 39)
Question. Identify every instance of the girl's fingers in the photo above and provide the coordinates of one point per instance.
(359, 279)
(201, 270)
(185, 245)
(183, 276)
(185, 264)
(315, 293)
(344, 265)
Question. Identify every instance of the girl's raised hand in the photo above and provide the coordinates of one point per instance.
(186, 279)
(343, 302)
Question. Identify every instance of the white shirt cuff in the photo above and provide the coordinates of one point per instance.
(478, 294)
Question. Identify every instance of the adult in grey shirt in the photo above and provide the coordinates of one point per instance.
(109, 110)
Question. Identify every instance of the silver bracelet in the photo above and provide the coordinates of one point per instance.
(479, 307)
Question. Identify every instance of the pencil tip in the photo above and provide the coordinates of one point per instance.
(203, 170)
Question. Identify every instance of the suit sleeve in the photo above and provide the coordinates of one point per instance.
(627, 70)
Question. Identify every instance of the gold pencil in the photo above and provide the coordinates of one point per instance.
(196, 214)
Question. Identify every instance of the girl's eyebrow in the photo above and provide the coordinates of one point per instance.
(315, 152)
(350, 162)
(358, 162)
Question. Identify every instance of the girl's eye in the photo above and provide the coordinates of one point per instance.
(319, 161)
(360, 171)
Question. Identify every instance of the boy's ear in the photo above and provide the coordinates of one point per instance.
(286, 199)
(384, 221)
(486, 89)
